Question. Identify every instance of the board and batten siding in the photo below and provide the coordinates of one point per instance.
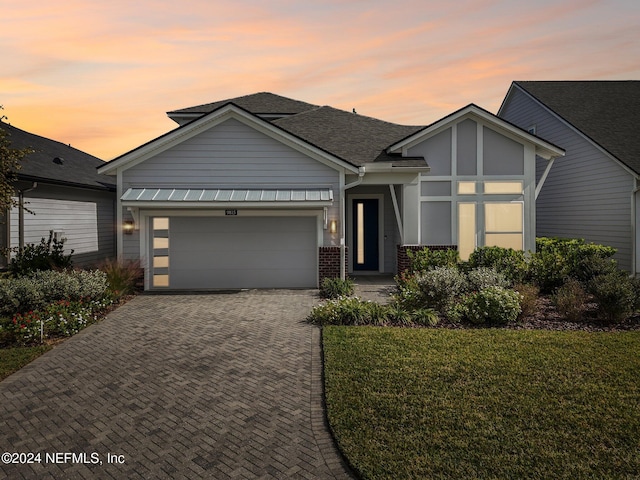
(231, 155)
(587, 194)
(472, 151)
(86, 218)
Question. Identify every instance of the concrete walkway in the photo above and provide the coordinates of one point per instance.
(177, 386)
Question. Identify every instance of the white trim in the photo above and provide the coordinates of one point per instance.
(119, 218)
(543, 148)
(396, 210)
(212, 119)
(544, 176)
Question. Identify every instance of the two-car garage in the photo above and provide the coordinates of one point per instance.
(221, 252)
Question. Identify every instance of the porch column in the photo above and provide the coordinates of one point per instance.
(411, 209)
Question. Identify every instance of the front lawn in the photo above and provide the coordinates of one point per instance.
(484, 403)
(13, 359)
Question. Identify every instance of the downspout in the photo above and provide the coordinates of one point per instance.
(343, 228)
(21, 214)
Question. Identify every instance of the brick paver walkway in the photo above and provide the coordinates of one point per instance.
(177, 386)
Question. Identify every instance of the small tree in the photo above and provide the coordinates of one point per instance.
(10, 159)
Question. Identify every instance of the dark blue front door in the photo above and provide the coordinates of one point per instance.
(365, 234)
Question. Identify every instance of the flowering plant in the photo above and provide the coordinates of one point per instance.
(25, 328)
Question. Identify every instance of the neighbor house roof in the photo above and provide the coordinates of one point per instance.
(55, 162)
(608, 112)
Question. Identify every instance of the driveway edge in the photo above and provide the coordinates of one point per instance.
(332, 456)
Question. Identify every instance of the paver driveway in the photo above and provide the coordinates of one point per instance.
(177, 386)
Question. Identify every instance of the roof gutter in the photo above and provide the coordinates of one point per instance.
(343, 214)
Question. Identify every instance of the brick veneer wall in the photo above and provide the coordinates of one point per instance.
(403, 259)
(329, 262)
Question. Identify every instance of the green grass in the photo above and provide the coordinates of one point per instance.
(13, 359)
(490, 404)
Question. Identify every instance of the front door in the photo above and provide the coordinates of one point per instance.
(365, 234)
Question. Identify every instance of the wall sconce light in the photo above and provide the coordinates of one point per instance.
(333, 226)
(127, 227)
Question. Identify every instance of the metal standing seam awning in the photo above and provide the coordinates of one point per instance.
(207, 197)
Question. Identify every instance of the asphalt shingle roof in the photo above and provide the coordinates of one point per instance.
(257, 103)
(608, 112)
(355, 138)
(76, 168)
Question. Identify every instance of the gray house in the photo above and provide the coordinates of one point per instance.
(592, 192)
(267, 191)
(64, 194)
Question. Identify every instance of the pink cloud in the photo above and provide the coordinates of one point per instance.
(109, 70)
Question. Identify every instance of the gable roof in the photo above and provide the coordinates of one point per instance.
(543, 148)
(607, 112)
(209, 120)
(263, 103)
(73, 167)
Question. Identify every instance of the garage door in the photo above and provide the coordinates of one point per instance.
(242, 252)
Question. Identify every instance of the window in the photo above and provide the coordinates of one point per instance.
(160, 246)
(466, 188)
(503, 187)
(466, 229)
(504, 225)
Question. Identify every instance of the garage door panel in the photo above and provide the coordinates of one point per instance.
(242, 252)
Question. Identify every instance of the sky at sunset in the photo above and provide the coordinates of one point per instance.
(101, 74)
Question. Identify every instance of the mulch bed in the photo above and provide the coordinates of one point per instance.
(547, 318)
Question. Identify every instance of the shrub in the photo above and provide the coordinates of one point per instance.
(528, 298)
(71, 285)
(336, 287)
(483, 277)
(511, 263)
(347, 311)
(122, 276)
(548, 270)
(19, 295)
(614, 293)
(635, 283)
(558, 258)
(427, 259)
(34, 292)
(408, 290)
(569, 300)
(47, 255)
(591, 266)
(439, 287)
(493, 305)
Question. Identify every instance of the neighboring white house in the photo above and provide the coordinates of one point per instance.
(63, 194)
(593, 192)
(263, 191)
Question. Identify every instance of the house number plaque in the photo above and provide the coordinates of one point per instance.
(231, 212)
